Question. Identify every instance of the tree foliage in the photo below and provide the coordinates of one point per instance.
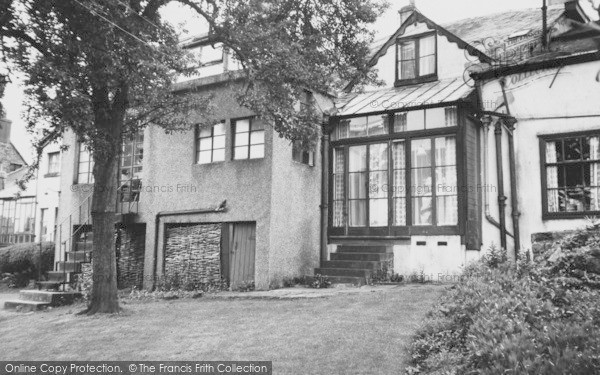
(105, 68)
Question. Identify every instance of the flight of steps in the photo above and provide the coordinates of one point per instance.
(50, 293)
(354, 264)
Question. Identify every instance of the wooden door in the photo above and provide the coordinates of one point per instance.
(239, 249)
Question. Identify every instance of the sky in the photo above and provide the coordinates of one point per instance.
(437, 10)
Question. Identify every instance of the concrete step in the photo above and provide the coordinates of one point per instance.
(57, 276)
(348, 280)
(79, 256)
(49, 284)
(372, 249)
(53, 298)
(68, 266)
(362, 256)
(354, 264)
(342, 272)
(25, 305)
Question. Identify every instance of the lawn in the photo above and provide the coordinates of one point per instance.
(349, 333)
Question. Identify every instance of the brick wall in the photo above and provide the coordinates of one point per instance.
(131, 242)
(193, 252)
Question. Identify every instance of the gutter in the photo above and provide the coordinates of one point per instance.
(222, 208)
(486, 122)
(537, 65)
(513, 173)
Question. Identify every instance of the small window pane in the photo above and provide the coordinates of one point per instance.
(205, 144)
(241, 139)
(573, 149)
(240, 152)
(378, 183)
(242, 126)
(205, 157)
(377, 125)
(257, 125)
(436, 118)
(400, 120)
(451, 116)
(399, 188)
(357, 188)
(445, 151)
(378, 157)
(257, 151)
(400, 211)
(407, 69)
(421, 182)
(357, 213)
(257, 137)
(422, 211)
(427, 46)
(219, 142)
(358, 127)
(219, 155)
(204, 132)
(445, 179)
(427, 65)
(415, 120)
(447, 210)
(421, 153)
(219, 129)
(378, 212)
(358, 159)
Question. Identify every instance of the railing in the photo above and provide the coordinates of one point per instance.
(17, 238)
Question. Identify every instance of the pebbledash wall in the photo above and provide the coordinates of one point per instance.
(554, 100)
(277, 193)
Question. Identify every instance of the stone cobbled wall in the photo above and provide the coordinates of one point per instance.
(193, 253)
(130, 256)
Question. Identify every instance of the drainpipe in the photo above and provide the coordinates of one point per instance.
(221, 208)
(324, 188)
(500, 175)
(510, 122)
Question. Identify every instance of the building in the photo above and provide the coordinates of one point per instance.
(405, 175)
(29, 215)
(10, 158)
(233, 200)
(413, 164)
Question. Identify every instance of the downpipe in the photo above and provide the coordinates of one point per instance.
(500, 177)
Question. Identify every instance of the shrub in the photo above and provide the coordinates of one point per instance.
(532, 318)
(22, 261)
(319, 282)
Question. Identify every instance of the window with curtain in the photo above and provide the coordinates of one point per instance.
(210, 144)
(53, 162)
(132, 156)
(416, 57)
(85, 165)
(572, 169)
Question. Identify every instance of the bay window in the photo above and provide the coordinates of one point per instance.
(404, 176)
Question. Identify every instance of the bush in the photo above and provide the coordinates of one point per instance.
(22, 261)
(535, 317)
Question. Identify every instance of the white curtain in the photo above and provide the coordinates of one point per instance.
(552, 178)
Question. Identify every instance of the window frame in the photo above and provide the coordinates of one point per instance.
(50, 172)
(197, 140)
(302, 156)
(543, 139)
(90, 162)
(251, 121)
(406, 136)
(418, 78)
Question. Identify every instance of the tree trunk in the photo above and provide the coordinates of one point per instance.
(104, 298)
(104, 287)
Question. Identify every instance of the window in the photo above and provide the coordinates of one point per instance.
(416, 58)
(17, 216)
(85, 166)
(300, 155)
(210, 144)
(249, 140)
(571, 175)
(362, 127)
(208, 55)
(339, 188)
(53, 163)
(132, 156)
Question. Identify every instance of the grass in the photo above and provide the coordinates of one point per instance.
(363, 333)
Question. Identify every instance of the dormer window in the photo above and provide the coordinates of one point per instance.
(416, 59)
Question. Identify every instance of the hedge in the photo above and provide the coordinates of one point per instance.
(21, 261)
(539, 316)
